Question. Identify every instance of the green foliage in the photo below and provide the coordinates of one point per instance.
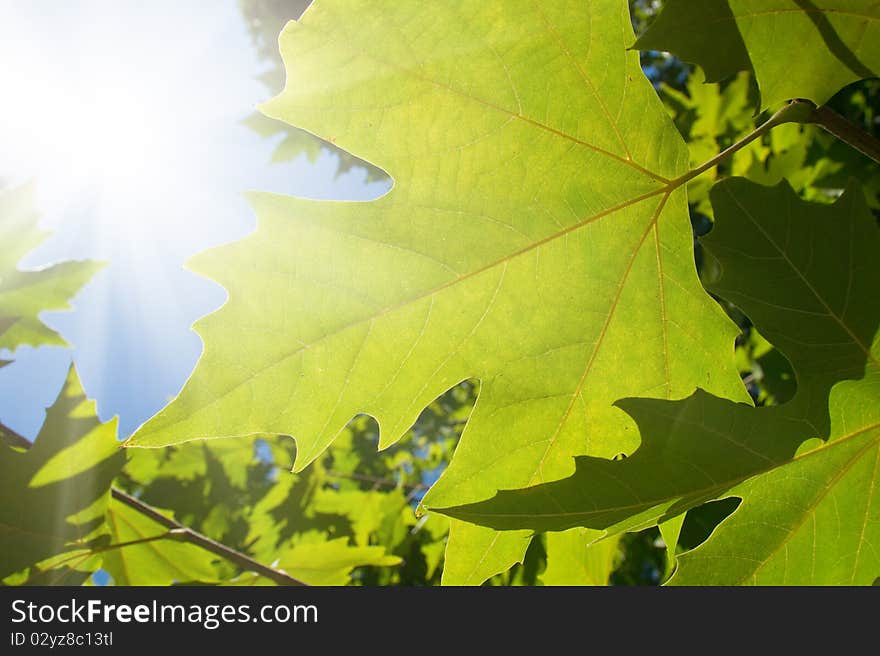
(24, 294)
(713, 117)
(347, 518)
(313, 526)
(307, 525)
(386, 338)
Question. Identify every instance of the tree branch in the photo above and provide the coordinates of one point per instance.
(176, 530)
(847, 132)
(797, 111)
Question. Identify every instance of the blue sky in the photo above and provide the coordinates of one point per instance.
(127, 117)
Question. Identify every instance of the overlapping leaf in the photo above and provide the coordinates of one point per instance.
(24, 294)
(575, 558)
(797, 48)
(152, 557)
(316, 561)
(532, 240)
(813, 516)
(815, 520)
(55, 494)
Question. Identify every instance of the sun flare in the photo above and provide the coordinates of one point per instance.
(98, 122)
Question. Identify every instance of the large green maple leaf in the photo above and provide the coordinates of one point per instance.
(536, 238)
(55, 494)
(835, 42)
(24, 294)
(807, 275)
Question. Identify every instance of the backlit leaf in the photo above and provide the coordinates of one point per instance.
(532, 240)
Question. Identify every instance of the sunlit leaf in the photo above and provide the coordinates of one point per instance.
(531, 227)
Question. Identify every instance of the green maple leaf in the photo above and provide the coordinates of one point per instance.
(536, 238)
(809, 512)
(797, 48)
(56, 493)
(24, 294)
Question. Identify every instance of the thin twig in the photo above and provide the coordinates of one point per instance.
(111, 547)
(385, 482)
(176, 530)
(797, 111)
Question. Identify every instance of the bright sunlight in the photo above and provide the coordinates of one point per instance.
(129, 120)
